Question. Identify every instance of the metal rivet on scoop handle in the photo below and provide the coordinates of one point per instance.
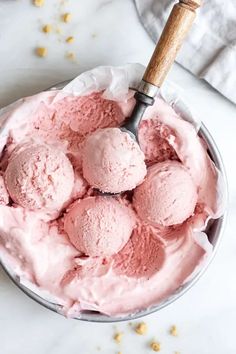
(172, 37)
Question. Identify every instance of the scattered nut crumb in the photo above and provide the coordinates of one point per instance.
(177, 352)
(39, 3)
(70, 56)
(66, 17)
(130, 324)
(41, 52)
(64, 3)
(59, 30)
(141, 328)
(118, 337)
(155, 346)
(173, 331)
(119, 353)
(70, 39)
(47, 28)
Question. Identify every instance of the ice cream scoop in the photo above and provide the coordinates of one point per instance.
(168, 195)
(175, 30)
(172, 37)
(39, 176)
(112, 161)
(99, 226)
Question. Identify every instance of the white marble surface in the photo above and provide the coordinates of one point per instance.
(108, 32)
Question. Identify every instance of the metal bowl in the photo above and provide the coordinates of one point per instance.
(214, 232)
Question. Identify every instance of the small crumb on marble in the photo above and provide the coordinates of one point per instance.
(98, 348)
(118, 337)
(66, 17)
(41, 52)
(141, 328)
(59, 30)
(155, 346)
(119, 353)
(70, 39)
(70, 56)
(47, 28)
(94, 35)
(173, 331)
(38, 3)
(64, 3)
(176, 352)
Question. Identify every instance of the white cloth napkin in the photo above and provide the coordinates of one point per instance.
(209, 51)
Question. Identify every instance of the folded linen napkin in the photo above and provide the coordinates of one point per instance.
(209, 51)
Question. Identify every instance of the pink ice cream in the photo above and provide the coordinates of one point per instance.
(99, 226)
(114, 256)
(88, 113)
(168, 195)
(39, 177)
(142, 256)
(69, 120)
(4, 196)
(113, 161)
(80, 185)
(155, 141)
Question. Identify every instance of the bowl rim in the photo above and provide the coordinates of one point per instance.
(102, 318)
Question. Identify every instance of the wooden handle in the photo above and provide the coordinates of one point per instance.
(176, 29)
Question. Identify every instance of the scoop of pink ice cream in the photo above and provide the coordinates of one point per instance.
(154, 139)
(112, 161)
(99, 226)
(142, 256)
(85, 114)
(168, 195)
(39, 177)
